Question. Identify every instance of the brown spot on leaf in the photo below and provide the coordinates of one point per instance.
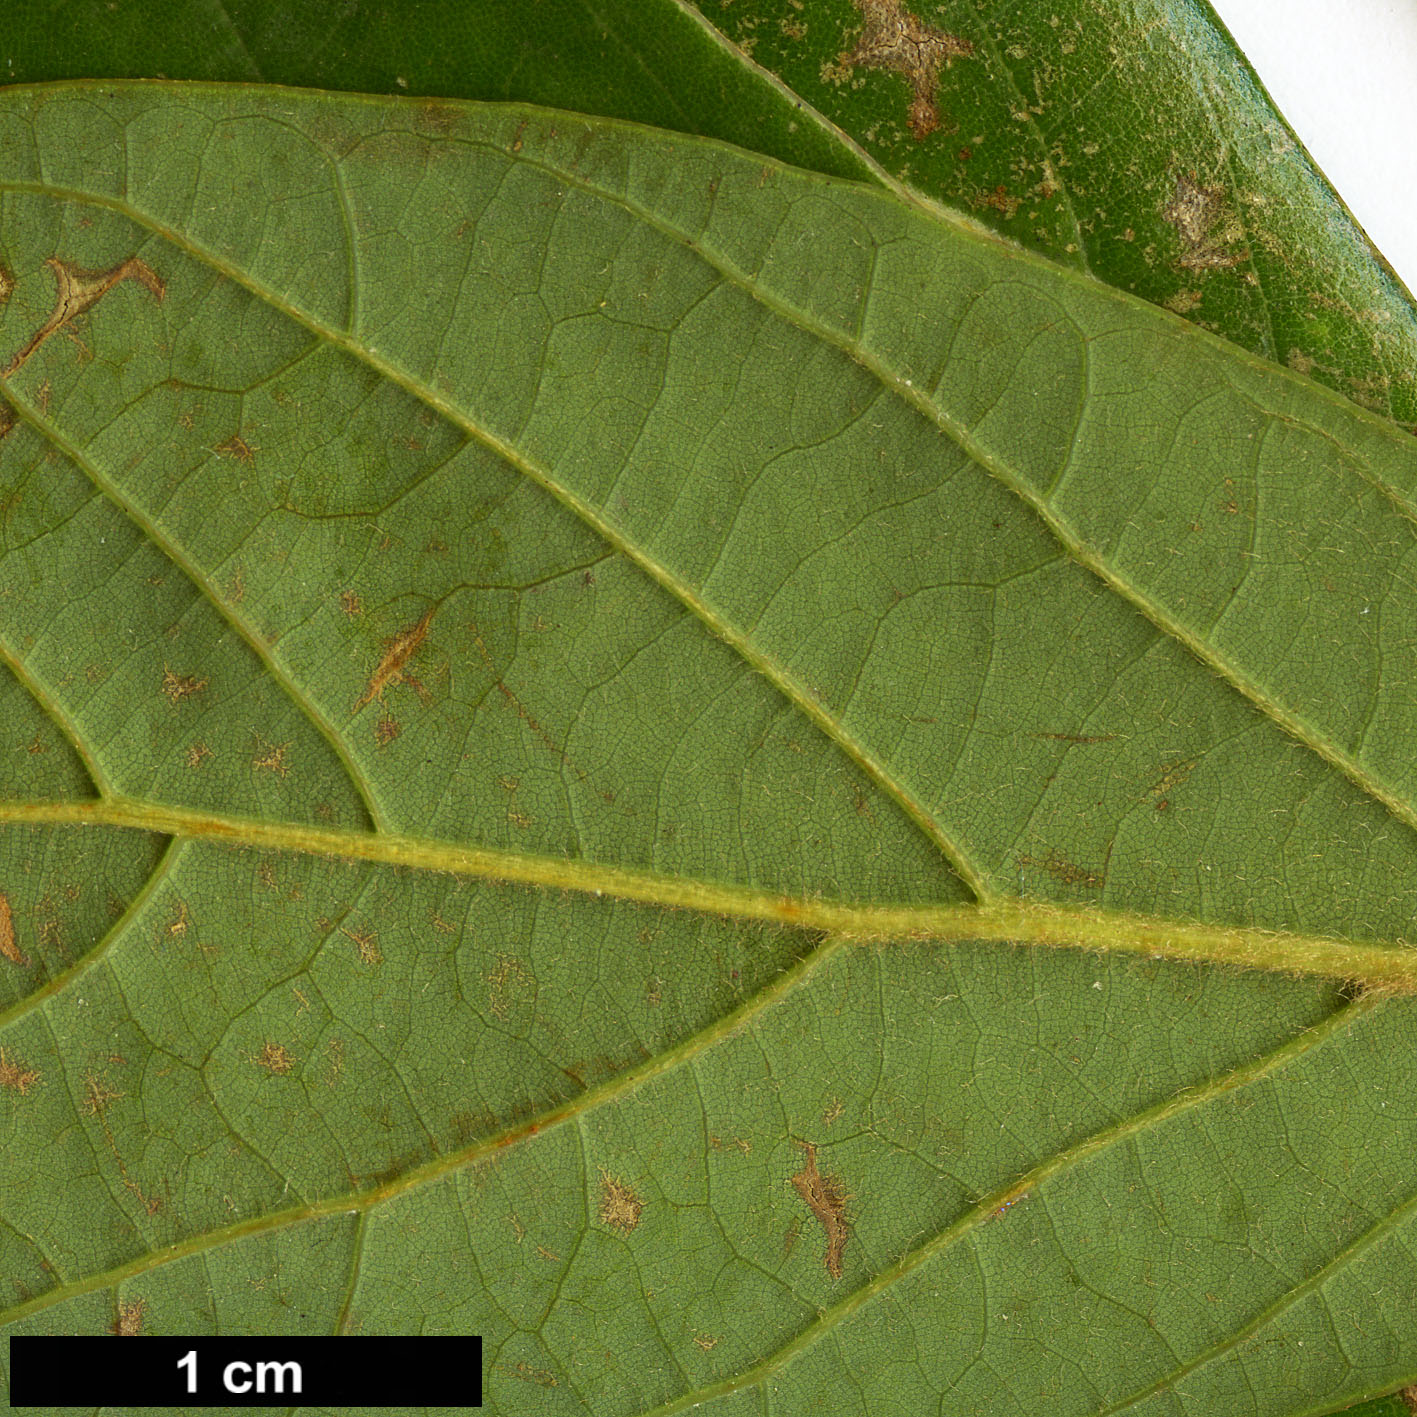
(129, 1322)
(9, 946)
(528, 718)
(77, 291)
(197, 754)
(16, 1077)
(825, 1198)
(351, 604)
(620, 1205)
(1001, 201)
(237, 447)
(1061, 869)
(741, 1143)
(386, 730)
(7, 422)
(275, 1058)
(98, 1097)
(7, 283)
(1206, 230)
(529, 1374)
(1173, 775)
(520, 709)
(704, 1341)
(182, 686)
(397, 652)
(895, 40)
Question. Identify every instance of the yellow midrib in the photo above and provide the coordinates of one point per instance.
(1390, 965)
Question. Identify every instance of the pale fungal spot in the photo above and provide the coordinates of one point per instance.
(620, 1205)
(181, 920)
(1198, 215)
(896, 40)
(509, 983)
(16, 1077)
(366, 942)
(182, 686)
(271, 757)
(130, 1318)
(98, 1095)
(275, 1058)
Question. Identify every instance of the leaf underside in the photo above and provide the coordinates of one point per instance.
(526, 634)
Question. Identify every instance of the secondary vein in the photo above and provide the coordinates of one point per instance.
(988, 1207)
(175, 553)
(776, 674)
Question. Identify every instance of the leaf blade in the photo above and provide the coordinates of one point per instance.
(244, 1059)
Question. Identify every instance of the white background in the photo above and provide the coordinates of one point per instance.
(1344, 75)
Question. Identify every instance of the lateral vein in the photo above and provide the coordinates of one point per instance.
(794, 691)
(105, 485)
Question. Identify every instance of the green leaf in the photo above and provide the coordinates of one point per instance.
(554, 669)
(1381, 1407)
(1130, 141)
